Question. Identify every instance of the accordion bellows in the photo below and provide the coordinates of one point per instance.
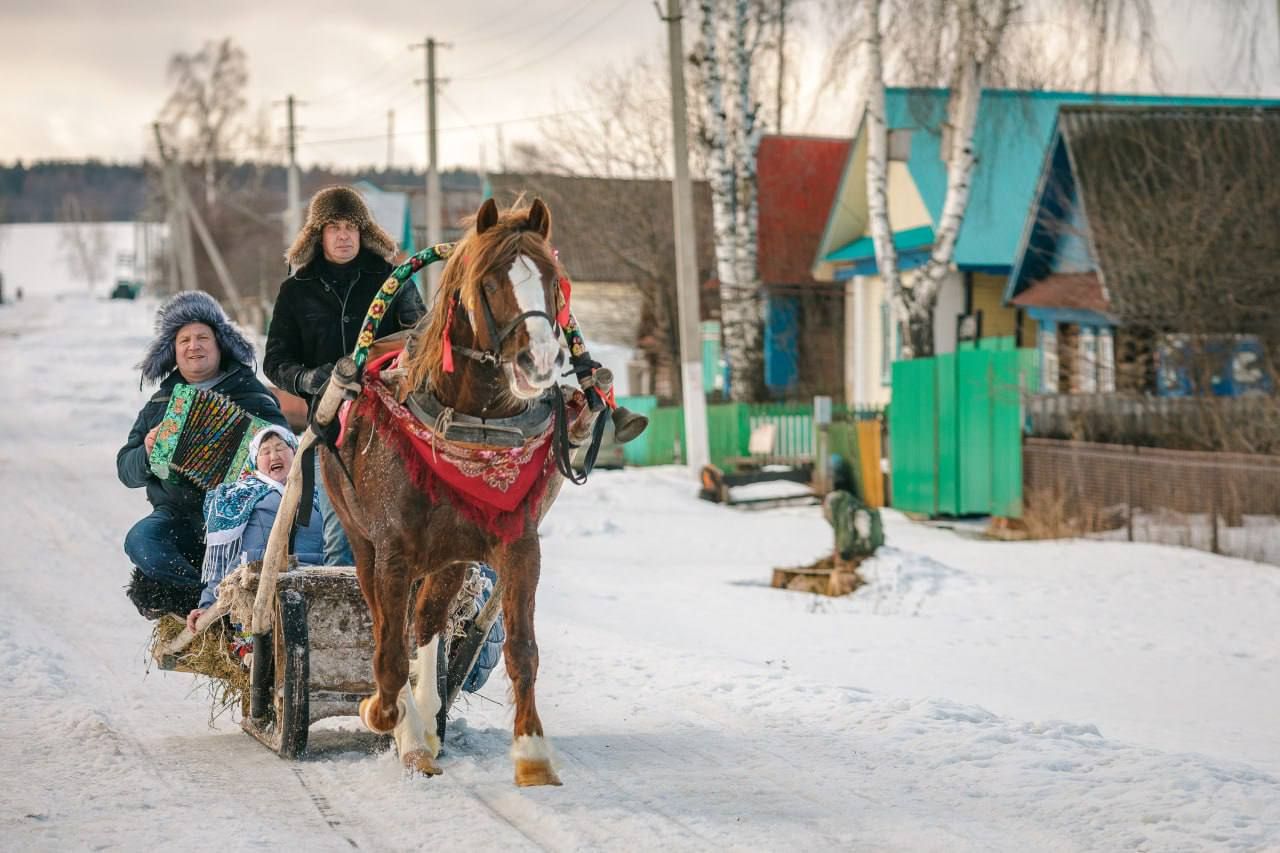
(203, 438)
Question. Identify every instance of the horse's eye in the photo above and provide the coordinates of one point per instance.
(491, 286)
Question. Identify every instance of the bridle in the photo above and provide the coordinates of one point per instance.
(497, 336)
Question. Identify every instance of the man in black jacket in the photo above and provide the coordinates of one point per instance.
(195, 344)
(340, 258)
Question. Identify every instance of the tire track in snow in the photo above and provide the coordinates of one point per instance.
(326, 810)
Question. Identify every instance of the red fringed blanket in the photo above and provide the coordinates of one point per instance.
(494, 487)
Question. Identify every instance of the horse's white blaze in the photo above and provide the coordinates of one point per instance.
(531, 748)
(526, 281)
(426, 694)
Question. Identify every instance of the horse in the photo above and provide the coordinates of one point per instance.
(496, 310)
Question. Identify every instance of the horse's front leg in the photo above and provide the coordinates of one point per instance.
(519, 566)
(431, 616)
(391, 708)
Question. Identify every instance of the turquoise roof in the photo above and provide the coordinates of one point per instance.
(904, 241)
(1014, 131)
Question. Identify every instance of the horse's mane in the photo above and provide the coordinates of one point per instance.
(474, 256)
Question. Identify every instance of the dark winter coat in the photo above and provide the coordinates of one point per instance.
(240, 385)
(316, 320)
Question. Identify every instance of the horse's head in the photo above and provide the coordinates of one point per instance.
(499, 300)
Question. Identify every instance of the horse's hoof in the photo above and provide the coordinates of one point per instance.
(530, 772)
(421, 763)
(374, 719)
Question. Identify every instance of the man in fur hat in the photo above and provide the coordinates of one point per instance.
(196, 344)
(340, 259)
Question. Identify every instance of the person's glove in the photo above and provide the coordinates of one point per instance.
(312, 380)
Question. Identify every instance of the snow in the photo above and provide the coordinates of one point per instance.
(33, 257)
(975, 695)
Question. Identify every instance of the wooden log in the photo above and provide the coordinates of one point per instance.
(180, 642)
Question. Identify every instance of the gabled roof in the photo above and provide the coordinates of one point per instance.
(797, 178)
(1157, 195)
(1014, 130)
(610, 229)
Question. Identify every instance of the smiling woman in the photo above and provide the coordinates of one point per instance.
(239, 515)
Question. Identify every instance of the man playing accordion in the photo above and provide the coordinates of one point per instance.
(195, 344)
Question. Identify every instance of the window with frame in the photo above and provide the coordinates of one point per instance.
(1048, 358)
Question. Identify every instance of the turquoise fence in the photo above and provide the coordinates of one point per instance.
(729, 427)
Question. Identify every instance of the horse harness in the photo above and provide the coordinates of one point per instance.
(497, 336)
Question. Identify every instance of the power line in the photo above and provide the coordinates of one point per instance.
(345, 93)
(525, 27)
(544, 55)
(457, 128)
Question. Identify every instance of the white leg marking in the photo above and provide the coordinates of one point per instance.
(531, 748)
(526, 281)
(425, 693)
(408, 731)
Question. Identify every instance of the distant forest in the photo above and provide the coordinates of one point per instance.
(120, 192)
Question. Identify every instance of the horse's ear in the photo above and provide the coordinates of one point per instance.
(540, 218)
(486, 216)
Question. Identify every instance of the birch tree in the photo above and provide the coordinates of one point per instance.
(966, 46)
(976, 31)
(207, 105)
(732, 34)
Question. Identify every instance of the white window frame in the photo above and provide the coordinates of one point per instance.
(1048, 357)
(1106, 360)
(1087, 369)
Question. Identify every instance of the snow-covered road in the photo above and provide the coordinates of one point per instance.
(975, 695)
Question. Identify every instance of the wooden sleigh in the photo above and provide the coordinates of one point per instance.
(317, 659)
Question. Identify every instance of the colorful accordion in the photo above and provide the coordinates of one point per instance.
(203, 438)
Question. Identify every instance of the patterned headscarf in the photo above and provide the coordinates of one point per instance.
(228, 507)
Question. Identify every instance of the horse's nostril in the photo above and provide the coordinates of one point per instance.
(525, 361)
(559, 358)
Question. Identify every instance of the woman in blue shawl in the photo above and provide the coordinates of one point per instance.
(238, 515)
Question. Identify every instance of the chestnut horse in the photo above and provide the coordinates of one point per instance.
(496, 308)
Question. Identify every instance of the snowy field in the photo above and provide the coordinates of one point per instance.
(34, 257)
(975, 695)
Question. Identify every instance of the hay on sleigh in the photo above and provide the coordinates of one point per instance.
(209, 656)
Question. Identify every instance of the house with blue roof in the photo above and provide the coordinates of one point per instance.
(1014, 132)
(1133, 203)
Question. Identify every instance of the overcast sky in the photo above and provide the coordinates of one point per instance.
(86, 78)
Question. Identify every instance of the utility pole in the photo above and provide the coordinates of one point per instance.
(181, 251)
(293, 216)
(192, 216)
(391, 137)
(502, 150)
(696, 452)
(433, 198)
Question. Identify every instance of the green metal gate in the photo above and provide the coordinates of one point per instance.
(955, 431)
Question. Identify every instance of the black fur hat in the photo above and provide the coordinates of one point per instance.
(193, 306)
(330, 205)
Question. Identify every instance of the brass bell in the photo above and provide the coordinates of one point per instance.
(627, 424)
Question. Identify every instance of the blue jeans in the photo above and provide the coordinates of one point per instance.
(337, 550)
(167, 548)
